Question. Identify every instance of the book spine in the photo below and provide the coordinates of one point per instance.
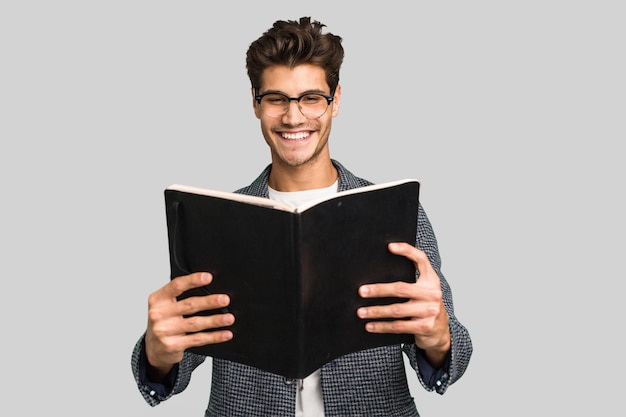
(299, 295)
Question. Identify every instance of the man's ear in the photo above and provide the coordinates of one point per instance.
(336, 101)
(255, 105)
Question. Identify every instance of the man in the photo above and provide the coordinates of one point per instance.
(294, 72)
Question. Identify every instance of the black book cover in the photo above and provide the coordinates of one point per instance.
(293, 276)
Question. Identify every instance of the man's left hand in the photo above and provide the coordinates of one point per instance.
(423, 315)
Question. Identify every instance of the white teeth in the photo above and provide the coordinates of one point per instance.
(295, 136)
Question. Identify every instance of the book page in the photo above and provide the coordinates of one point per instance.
(243, 198)
(365, 189)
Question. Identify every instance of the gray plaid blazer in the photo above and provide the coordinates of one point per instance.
(367, 383)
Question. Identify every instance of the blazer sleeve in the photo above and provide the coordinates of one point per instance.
(155, 393)
(461, 344)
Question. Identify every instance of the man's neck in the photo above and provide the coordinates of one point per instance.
(304, 177)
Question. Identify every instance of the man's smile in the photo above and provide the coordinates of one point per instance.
(295, 136)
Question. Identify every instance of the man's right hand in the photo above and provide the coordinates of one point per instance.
(170, 333)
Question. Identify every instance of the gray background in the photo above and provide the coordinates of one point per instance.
(510, 113)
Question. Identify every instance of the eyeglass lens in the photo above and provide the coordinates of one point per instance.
(310, 105)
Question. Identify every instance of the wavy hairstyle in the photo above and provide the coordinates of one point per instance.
(293, 43)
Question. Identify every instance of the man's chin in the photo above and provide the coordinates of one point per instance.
(294, 161)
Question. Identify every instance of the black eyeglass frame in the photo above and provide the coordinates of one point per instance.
(329, 99)
(259, 97)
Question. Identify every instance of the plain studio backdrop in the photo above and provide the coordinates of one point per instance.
(510, 113)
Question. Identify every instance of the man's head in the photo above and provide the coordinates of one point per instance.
(292, 43)
(294, 71)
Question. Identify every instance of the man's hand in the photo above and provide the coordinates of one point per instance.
(169, 333)
(427, 317)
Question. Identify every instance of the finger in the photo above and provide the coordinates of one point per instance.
(179, 285)
(391, 311)
(409, 309)
(204, 323)
(395, 326)
(207, 338)
(176, 326)
(193, 305)
(417, 256)
(399, 289)
(414, 326)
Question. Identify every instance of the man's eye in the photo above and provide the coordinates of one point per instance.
(276, 100)
(311, 99)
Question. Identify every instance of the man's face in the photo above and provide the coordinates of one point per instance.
(294, 139)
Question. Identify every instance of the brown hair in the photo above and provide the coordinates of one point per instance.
(293, 43)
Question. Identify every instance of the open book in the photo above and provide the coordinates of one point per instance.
(293, 274)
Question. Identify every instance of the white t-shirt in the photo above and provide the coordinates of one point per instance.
(309, 402)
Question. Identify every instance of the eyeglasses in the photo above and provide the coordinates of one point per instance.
(311, 105)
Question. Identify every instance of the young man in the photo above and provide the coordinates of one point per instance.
(294, 72)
